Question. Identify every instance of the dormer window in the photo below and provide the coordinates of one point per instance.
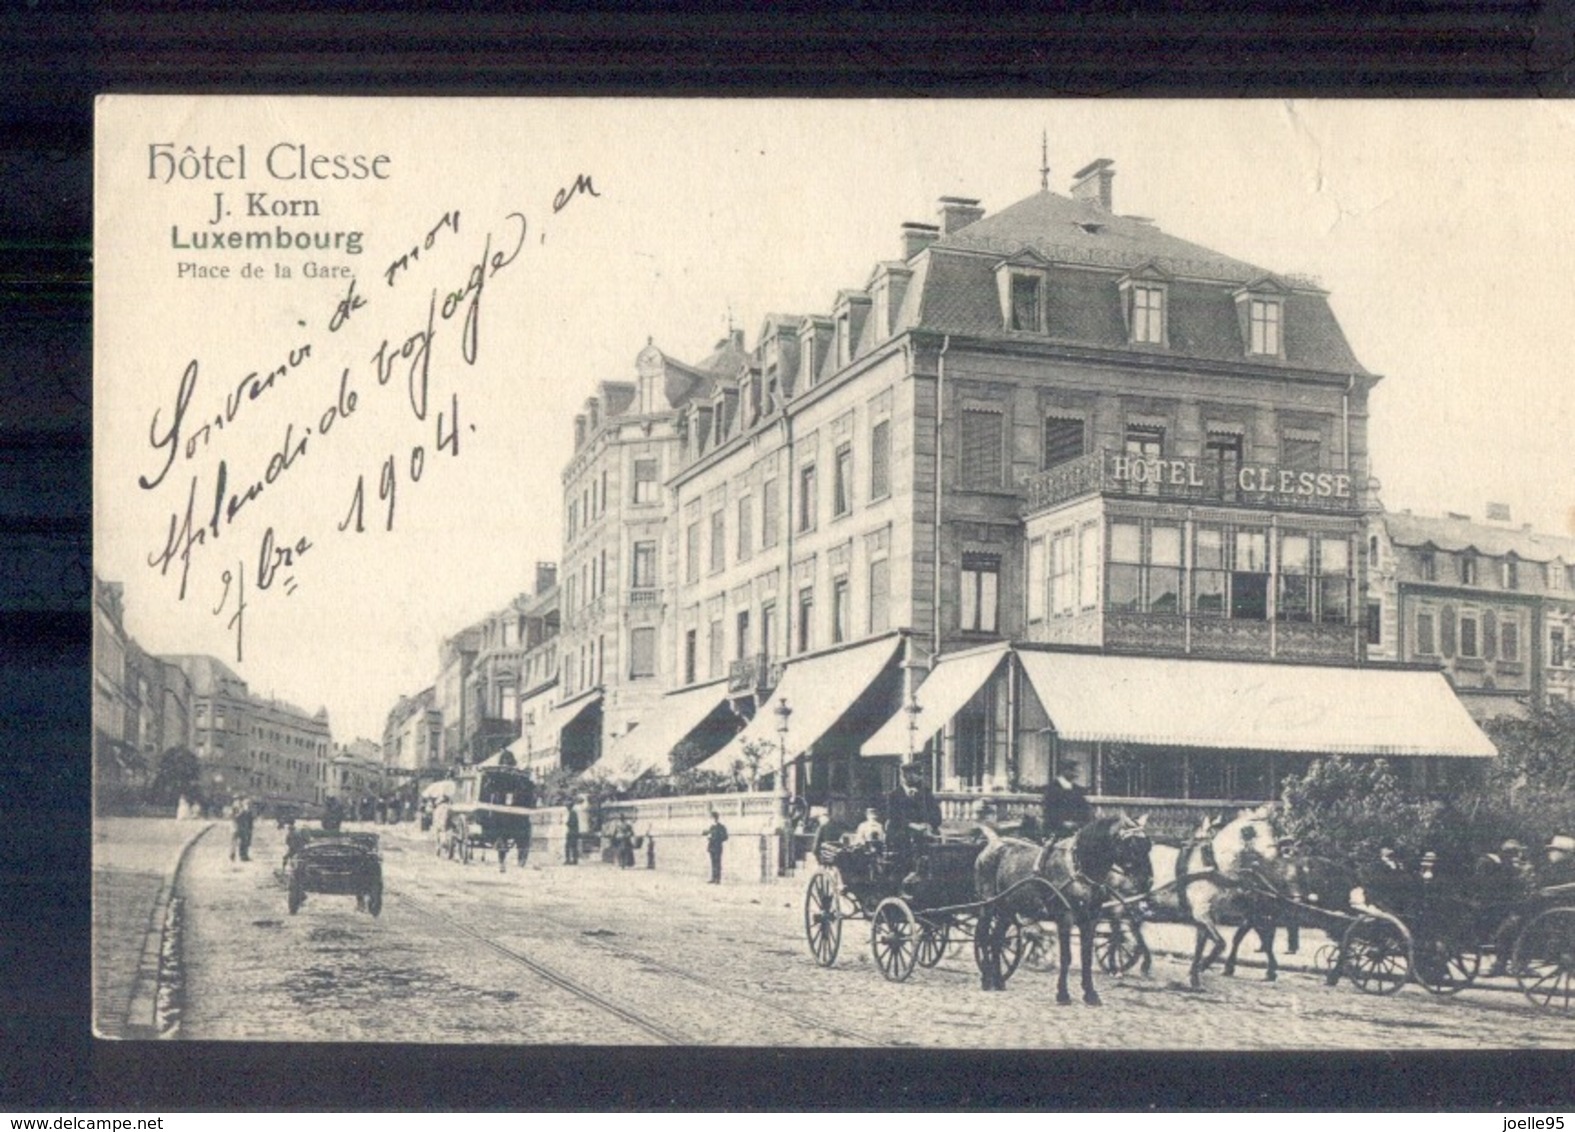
(1558, 576)
(1260, 307)
(1468, 568)
(1509, 573)
(1023, 283)
(1427, 562)
(1143, 303)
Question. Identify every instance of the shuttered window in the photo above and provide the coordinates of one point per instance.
(880, 460)
(1446, 631)
(642, 653)
(1063, 440)
(880, 595)
(981, 448)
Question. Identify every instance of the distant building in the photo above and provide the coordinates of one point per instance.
(1491, 604)
(413, 735)
(516, 655)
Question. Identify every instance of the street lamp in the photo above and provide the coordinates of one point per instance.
(783, 711)
(913, 710)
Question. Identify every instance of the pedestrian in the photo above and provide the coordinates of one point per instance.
(241, 824)
(715, 838)
(571, 836)
(1066, 807)
(333, 815)
(626, 831)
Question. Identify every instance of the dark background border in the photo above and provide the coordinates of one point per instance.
(54, 57)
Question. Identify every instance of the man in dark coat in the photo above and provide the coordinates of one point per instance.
(571, 836)
(1066, 807)
(911, 812)
(715, 838)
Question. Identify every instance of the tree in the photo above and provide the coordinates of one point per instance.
(179, 775)
(1527, 792)
(1347, 809)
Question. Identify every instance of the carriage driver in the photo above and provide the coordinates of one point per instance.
(911, 812)
(1066, 807)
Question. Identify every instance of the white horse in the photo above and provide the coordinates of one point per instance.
(1193, 883)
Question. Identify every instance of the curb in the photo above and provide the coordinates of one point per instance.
(154, 1009)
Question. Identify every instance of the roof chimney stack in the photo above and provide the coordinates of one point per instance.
(1498, 513)
(916, 237)
(957, 213)
(1092, 182)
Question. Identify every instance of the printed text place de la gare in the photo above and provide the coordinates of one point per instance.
(282, 161)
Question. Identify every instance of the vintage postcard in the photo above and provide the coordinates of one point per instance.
(791, 573)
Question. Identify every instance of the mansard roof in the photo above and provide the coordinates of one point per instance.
(1453, 535)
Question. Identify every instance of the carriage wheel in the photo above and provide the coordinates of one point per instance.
(1115, 944)
(1014, 944)
(1545, 960)
(1445, 964)
(823, 919)
(374, 900)
(894, 937)
(934, 936)
(1377, 955)
(297, 896)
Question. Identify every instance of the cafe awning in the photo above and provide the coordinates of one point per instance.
(1173, 702)
(442, 788)
(666, 724)
(945, 691)
(819, 690)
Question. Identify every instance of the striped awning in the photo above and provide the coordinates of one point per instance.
(946, 690)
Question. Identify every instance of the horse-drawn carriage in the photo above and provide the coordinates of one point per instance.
(490, 809)
(335, 863)
(984, 889)
(1439, 935)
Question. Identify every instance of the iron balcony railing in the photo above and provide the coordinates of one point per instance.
(1192, 479)
(753, 674)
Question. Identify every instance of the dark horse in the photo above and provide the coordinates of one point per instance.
(1067, 881)
(1316, 894)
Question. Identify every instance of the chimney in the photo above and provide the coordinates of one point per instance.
(579, 431)
(916, 237)
(1092, 182)
(546, 576)
(1498, 513)
(958, 212)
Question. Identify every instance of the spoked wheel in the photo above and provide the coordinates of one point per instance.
(1446, 964)
(894, 937)
(998, 946)
(822, 919)
(1545, 960)
(934, 936)
(1115, 944)
(1377, 955)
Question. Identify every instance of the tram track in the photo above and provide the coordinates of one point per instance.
(818, 1026)
(548, 974)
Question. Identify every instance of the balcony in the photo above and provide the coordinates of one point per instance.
(644, 595)
(1191, 480)
(753, 675)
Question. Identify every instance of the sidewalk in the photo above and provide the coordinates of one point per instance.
(136, 862)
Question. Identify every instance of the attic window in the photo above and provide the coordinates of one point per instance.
(1027, 303)
(1090, 227)
(1261, 308)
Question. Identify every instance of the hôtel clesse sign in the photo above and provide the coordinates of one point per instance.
(1252, 479)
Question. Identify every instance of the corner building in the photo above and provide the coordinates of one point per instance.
(1052, 485)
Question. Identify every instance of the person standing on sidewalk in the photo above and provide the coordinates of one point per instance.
(715, 838)
(571, 837)
(241, 830)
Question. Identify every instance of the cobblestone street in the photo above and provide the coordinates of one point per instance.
(594, 955)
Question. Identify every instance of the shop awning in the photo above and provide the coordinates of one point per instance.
(819, 690)
(442, 788)
(535, 714)
(546, 734)
(952, 683)
(1252, 707)
(667, 724)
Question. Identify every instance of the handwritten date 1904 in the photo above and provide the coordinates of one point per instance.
(388, 476)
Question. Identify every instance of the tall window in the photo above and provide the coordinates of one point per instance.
(644, 480)
(746, 528)
(718, 540)
(1123, 582)
(880, 460)
(1509, 639)
(768, 629)
(741, 635)
(1025, 303)
(1063, 579)
(642, 653)
(806, 498)
(1375, 623)
(692, 553)
(1295, 600)
(1426, 643)
(644, 564)
(714, 647)
(1263, 326)
(1334, 580)
(1468, 569)
(1162, 579)
(981, 579)
(1148, 314)
(880, 595)
(1556, 655)
(982, 443)
(1509, 573)
(1249, 577)
(1145, 442)
(1558, 577)
(841, 613)
(1427, 565)
(1470, 644)
(1063, 440)
(806, 618)
(842, 481)
(1089, 563)
(1036, 580)
(770, 513)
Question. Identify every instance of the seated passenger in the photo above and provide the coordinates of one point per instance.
(1558, 861)
(870, 831)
